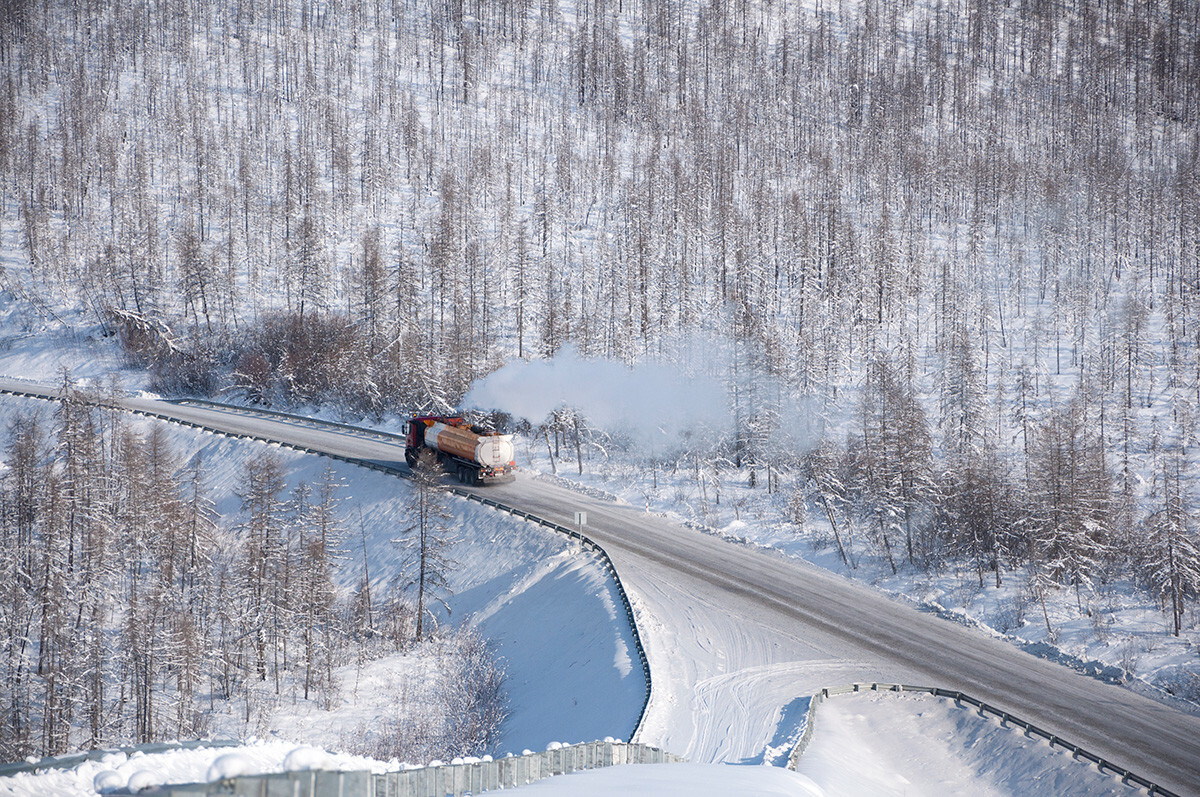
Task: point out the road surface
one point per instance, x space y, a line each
735 634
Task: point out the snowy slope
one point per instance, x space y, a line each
548 608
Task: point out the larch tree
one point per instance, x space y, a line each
426 540
1168 553
320 536
1071 500
261 564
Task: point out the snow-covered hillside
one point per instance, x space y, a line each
909 289
549 610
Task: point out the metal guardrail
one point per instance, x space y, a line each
312 423
445 780
395 470
984 709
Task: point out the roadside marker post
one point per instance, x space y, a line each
580 522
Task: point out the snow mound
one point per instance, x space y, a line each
107 781
306 758
231 765
142 780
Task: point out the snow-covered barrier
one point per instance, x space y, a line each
74 759
470 776
984 709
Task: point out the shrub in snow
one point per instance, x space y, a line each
230 765
457 713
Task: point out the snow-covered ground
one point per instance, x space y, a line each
572 677
874 743
884 743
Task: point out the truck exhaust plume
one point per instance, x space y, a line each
654 401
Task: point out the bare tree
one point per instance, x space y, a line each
426 540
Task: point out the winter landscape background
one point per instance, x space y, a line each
908 288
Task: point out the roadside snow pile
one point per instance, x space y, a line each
234 765
117 771
884 743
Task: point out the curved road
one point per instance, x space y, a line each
731 623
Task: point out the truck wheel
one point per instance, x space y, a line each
410 457
462 475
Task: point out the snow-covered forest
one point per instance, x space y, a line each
949 252
132 611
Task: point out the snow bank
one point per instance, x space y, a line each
886 743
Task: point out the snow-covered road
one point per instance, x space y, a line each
736 635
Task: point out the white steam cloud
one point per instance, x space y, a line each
657 402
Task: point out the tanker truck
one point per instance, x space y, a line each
474 454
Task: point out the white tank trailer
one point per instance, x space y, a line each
475 455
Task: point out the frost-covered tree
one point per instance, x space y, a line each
1071 500
265 560
320 535
895 458
425 541
1168 547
